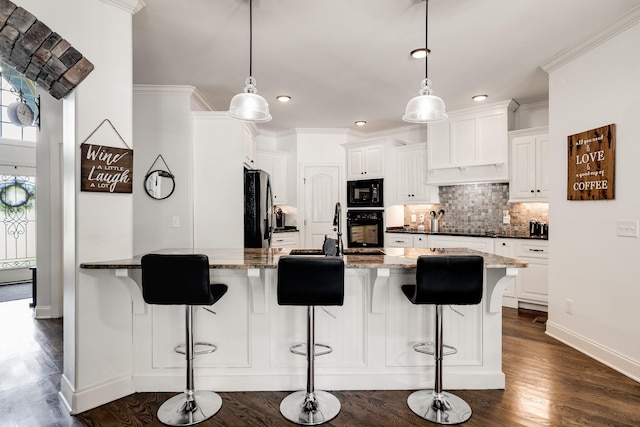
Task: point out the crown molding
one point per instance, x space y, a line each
163 90
606 33
131 6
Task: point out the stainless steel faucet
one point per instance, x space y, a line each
337 222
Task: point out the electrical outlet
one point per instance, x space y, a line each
175 222
627 228
413 217
421 217
568 306
506 218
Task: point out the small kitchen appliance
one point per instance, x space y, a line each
365 193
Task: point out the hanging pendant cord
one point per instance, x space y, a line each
426 39
250 37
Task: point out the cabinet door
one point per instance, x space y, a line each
411 187
285 240
542 168
404 183
374 161
532 283
420 241
275 164
523 168
249 148
355 163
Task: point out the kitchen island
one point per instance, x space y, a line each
371 334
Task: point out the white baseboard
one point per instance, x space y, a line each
80 401
43 312
620 363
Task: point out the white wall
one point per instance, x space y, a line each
589 263
162 126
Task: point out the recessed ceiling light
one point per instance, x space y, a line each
420 53
283 98
479 98
361 123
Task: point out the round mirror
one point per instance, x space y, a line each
159 184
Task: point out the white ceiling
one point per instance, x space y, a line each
348 60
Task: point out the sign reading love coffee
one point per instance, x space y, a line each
592 164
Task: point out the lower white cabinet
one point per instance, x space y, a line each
398 240
290 239
532 283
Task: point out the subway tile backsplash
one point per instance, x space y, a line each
478 208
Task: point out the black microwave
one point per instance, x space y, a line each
365 193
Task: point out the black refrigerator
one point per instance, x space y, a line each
258 209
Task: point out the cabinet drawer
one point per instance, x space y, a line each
395 240
285 240
533 249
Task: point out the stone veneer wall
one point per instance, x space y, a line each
38 53
477 208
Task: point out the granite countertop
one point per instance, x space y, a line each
354 258
514 235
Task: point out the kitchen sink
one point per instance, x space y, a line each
349 251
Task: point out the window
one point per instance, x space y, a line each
17 221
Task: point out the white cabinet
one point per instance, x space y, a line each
365 162
484 244
471 145
532 283
529 165
507 248
411 177
289 239
275 163
398 240
420 241
249 139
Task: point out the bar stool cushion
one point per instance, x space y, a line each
447 280
176 279
310 280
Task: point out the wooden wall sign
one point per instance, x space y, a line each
591 172
106 169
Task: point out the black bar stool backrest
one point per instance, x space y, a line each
448 280
177 279
304 280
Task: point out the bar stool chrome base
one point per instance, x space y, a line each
178 411
445 409
310 409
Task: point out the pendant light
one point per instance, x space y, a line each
249 106
425 108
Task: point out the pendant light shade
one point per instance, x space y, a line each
249 106
425 108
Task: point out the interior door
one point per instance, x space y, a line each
321 193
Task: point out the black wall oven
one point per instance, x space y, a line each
365 228
365 193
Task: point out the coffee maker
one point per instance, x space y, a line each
280 217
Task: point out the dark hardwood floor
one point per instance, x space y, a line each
548 384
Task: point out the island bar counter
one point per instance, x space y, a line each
371 334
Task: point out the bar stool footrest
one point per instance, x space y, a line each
428 348
294 349
210 348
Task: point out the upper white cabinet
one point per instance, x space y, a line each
365 162
249 139
529 165
411 176
365 159
275 163
471 145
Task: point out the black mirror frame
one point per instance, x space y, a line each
163 174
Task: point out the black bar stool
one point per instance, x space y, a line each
443 280
310 281
183 280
